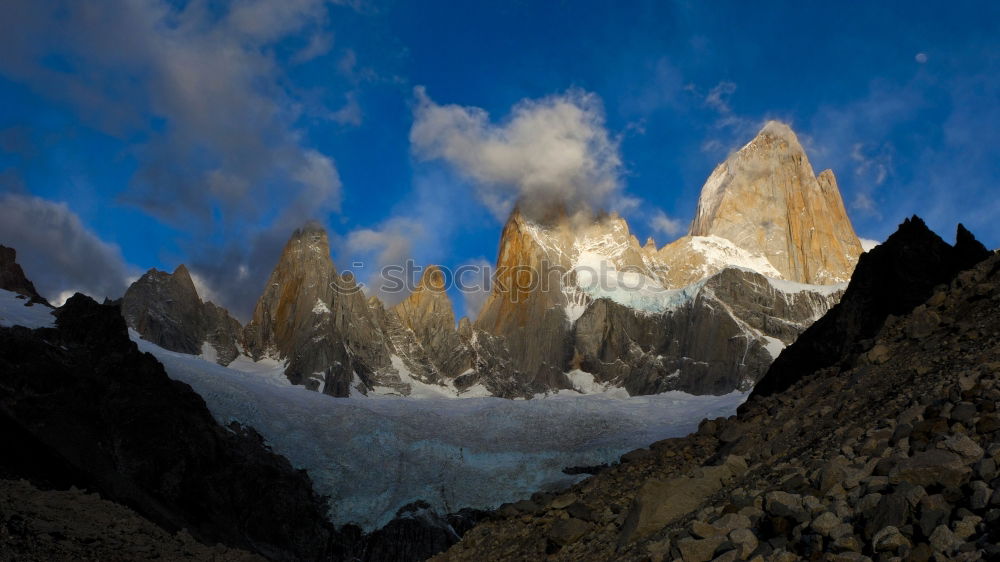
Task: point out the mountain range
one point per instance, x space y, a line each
870 428
577 303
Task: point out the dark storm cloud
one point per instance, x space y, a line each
199 94
58 253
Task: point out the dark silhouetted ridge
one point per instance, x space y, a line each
893 278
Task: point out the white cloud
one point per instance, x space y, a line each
663 223
921 58
863 202
867 244
350 112
198 90
59 254
372 249
554 150
718 97
205 291
475 285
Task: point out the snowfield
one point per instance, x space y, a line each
14 313
373 455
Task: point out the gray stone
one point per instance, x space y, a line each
963 413
784 504
825 523
965 527
930 468
943 540
703 530
562 501
568 531
745 541
889 539
980 497
659 503
700 550
731 521
934 510
960 444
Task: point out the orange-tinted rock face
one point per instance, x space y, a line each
525 306
766 200
427 312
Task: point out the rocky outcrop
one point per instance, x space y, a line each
428 314
581 293
892 279
82 406
317 320
766 199
722 336
12 277
42 525
164 308
892 457
525 307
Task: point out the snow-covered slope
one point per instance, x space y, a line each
13 312
373 455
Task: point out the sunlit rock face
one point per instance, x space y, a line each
766 200
427 312
316 320
578 303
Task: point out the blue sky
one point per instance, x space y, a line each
146 134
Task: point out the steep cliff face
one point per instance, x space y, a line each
718 335
427 312
527 306
165 309
82 406
766 200
316 320
581 293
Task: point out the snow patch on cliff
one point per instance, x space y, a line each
13 312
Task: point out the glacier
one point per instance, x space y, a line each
373 455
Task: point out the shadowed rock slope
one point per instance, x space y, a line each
893 456
12 277
79 405
165 309
890 280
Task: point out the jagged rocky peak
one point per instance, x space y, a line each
428 313
766 200
165 308
316 320
299 292
13 279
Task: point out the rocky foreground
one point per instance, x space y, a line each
890 454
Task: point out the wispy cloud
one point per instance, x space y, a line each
662 223
372 249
